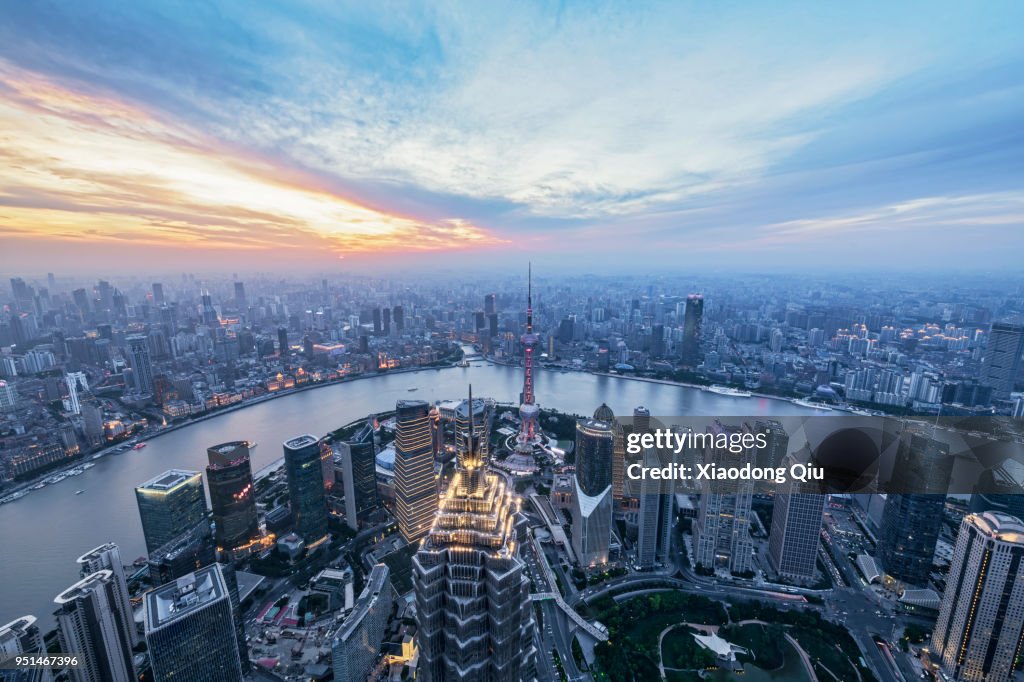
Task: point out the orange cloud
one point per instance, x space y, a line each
76 166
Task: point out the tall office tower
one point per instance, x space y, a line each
721 535
490 304
191 629
108 558
980 630
377 327
282 341
158 293
483 416
1000 366
796 527
604 414
774 454
398 315
169 505
89 624
20 637
360 476
528 410
137 352
592 492
232 497
386 321
415 486
473 613
182 555
306 494
357 641
912 520
209 314
240 299
692 321
657 512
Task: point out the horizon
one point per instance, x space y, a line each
776 139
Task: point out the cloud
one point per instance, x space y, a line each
79 165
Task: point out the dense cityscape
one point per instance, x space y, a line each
497 537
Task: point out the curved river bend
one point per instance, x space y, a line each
43 533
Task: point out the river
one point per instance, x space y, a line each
43 533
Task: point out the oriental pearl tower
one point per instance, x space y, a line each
528 410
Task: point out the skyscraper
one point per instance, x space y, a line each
1000 366
357 641
415 486
721 534
240 295
604 414
137 353
980 629
912 520
360 476
190 630
796 527
654 524
528 410
306 494
282 341
490 304
692 321
158 293
21 637
108 558
169 505
473 612
89 624
592 483
232 496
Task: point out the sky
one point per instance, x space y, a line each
322 134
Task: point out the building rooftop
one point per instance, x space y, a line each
374 584
169 480
185 595
1001 526
82 587
300 441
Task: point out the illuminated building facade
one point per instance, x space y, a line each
592 492
415 485
232 497
306 494
473 611
170 505
980 629
528 410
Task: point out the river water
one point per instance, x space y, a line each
43 533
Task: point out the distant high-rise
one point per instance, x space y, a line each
358 464
89 624
980 630
137 352
398 315
592 518
20 637
240 299
232 496
774 454
282 341
209 313
386 321
692 321
654 523
415 486
490 304
306 493
108 558
1000 366
721 534
912 520
796 527
191 630
169 505
357 641
158 293
377 326
473 612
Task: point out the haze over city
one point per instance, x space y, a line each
776 137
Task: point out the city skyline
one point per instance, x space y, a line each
329 137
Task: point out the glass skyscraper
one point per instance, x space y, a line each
170 505
415 485
306 492
232 496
